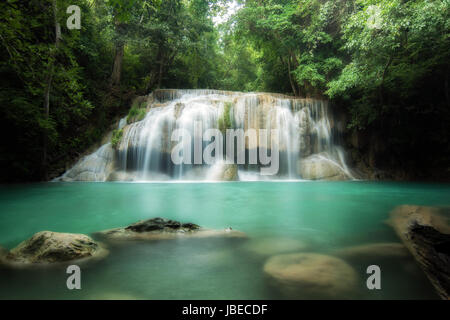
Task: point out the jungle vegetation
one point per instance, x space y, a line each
385 63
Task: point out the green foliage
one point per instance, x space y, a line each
393 47
116 137
31 63
297 39
386 62
225 120
136 113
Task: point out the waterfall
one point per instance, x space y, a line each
308 146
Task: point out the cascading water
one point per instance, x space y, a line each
307 144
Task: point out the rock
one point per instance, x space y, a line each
53 247
373 252
230 173
223 172
162 229
94 167
426 234
161 225
120 176
311 276
3 253
276 245
317 167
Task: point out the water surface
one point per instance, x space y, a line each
324 216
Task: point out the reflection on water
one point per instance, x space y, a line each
339 221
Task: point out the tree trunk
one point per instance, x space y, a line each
295 65
391 58
294 90
160 74
447 98
151 80
49 80
117 67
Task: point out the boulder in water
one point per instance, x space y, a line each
318 167
162 229
311 276
426 234
52 247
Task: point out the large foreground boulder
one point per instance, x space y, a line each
311 276
319 167
161 229
53 247
426 234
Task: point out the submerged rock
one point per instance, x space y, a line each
53 247
160 229
311 276
426 234
275 245
318 167
373 252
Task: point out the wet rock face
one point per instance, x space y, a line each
160 224
317 167
308 275
94 167
52 247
